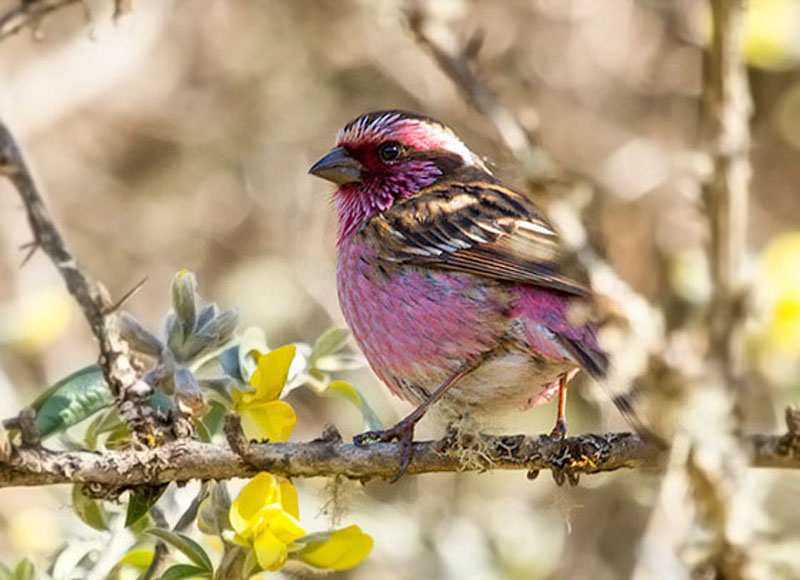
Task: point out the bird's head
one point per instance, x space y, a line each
385 156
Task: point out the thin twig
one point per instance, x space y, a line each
29 14
115 361
457 63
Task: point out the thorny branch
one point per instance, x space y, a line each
118 368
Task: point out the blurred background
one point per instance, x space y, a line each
179 136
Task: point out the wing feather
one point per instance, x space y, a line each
478 227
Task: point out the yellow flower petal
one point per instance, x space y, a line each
283 526
271 420
781 279
273 370
344 549
270 551
245 510
270 544
289 498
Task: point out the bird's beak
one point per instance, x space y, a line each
338 167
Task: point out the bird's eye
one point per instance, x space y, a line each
389 151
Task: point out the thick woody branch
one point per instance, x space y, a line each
186 460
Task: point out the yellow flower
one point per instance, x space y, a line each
772 33
781 277
341 550
264 416
264 517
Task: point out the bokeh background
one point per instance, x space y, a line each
179 136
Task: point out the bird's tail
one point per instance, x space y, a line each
596 363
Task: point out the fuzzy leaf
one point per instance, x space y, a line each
329 342
229 360
213 518
339 362
71 400
220 387
139 338
184 300
186 545
174 331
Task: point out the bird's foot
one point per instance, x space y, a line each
402 432
560 429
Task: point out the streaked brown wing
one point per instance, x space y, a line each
479 227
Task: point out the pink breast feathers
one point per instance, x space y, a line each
414 327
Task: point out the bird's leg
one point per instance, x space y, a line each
560 429
404 430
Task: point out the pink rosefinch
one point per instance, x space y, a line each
450 281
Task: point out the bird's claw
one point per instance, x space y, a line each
560 429
402 432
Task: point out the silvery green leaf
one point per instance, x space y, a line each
184 300
211 336
195 345
235 563
138 337
229 360
213 518
225 325
174 329
340 362
188 394
329 342
221 387
207 314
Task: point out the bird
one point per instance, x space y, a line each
453 284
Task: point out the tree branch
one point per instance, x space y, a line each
185 460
